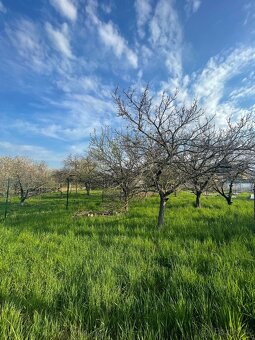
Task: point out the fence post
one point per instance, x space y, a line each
7 198
67 193
254 201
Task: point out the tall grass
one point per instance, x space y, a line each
65 277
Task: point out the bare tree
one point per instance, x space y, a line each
167 132
118 163
71 167
81 169
224 181
236 155
200 162
87 173
220 156
60 179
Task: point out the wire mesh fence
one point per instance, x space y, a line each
44 200
47 200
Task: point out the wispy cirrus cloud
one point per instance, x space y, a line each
210 84
249 9
243 92
110 36
66 8
192 6
60 39
166 36
213 85
84 113
143 13
2 8
26 38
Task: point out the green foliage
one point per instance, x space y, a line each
118 277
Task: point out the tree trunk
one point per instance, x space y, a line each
126 201
23 197
126 206
230 193
198 195
88 188
161 214
229 199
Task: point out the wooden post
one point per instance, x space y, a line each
67 192
7 198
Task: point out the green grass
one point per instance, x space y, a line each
65 277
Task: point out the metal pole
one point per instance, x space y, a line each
7 198
67 193
254 201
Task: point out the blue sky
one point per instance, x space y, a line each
60 60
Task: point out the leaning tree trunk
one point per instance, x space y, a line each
228 196
198 195
126 206
23 196
161 214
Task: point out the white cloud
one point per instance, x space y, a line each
243 92
249 9
79 148
65 8
37 153
60 39
26 38
229 109
166 36
2 8
210 83
111 37
106 8
83 114
143 13
192 6
215 86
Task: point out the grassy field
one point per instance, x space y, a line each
65 277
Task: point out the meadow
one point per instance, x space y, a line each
119 277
